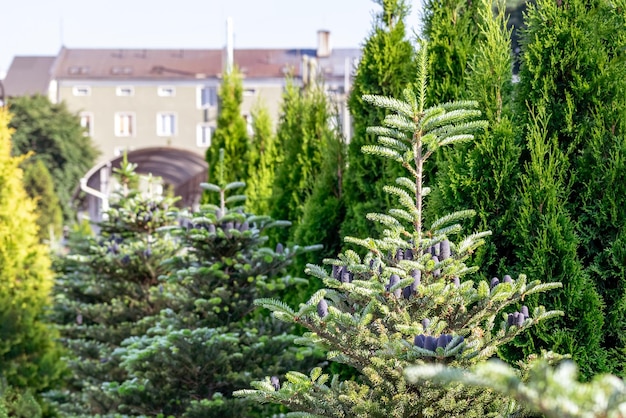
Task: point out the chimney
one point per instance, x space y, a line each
229 45
323 44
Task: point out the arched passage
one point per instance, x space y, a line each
180 169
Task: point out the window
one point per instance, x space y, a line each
166 91
124 124
204 134
82 91
86 121
166 124
125 91
121 70
207 96
76 70
249 92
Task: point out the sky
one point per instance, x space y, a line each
41 27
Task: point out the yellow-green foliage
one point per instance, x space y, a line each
28 357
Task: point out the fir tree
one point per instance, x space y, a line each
107 290
209 341
261 169
386 67
29 354
554 392
404 302
40 186
573 67
231 132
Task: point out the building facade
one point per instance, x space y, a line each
129 99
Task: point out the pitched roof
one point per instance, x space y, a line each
28 75
167 64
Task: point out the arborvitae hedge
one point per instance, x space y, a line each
386 67
546 245
231 133
29 353
262 162
573 66
301 136
450 28
40 187
324 210
484 174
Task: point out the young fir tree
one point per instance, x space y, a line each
485 174
573 67
29 353
40 187
261 169
107 289
386 67
554 392
55 136
404 302
210 341
450 28
231 133
302 133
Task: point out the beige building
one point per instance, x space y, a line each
135 99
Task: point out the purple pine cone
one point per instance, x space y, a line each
417 275
507 279
275 382
444 249
393 280
494 282
525 311
322 308
443 340
430 343
419 340
346 276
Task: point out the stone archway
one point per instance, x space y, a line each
181 169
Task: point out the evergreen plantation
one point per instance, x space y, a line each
462 256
